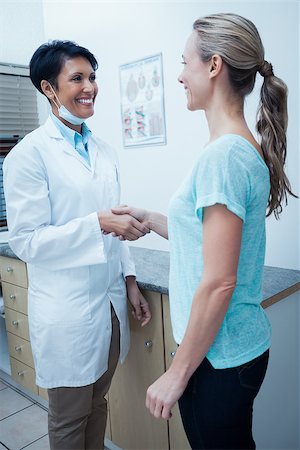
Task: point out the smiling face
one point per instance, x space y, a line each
76 88
195 76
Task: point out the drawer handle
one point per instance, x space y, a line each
15 323
148 344
172 354
22 373
9 269
18 348
12 296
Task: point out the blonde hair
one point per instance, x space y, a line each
238 42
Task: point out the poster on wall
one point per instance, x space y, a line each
142 102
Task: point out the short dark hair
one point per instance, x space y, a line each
48 60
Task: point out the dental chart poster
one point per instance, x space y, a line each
142 102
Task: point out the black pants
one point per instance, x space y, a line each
216 407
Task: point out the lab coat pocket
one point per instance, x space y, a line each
112 187
62 296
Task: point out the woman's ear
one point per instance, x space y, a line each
216 65
47 90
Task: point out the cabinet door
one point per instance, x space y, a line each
178 439
132 426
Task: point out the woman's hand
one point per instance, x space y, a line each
164 393
123 225
154 221
142 215
141 310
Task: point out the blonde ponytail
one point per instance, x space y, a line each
272 119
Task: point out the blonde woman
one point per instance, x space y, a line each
216 229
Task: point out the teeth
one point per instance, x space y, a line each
85 101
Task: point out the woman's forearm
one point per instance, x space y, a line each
210 304
158 223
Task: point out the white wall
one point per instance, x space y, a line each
119 32
21 30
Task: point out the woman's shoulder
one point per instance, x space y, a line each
27 152
228 143
217 152
233 149
25 144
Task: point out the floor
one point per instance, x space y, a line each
23 422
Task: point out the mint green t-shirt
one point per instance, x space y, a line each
231 172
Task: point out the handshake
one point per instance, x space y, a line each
125 222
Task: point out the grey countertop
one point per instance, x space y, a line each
152 268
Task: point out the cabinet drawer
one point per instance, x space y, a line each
17 323
23 374
43 393
20 349
13 271
15 297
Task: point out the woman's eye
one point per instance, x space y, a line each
92 77
77 78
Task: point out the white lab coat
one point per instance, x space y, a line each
74 271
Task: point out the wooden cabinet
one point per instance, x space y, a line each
14 288
178 439
151 351
132 426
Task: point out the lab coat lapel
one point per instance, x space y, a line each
67 148
51 130
54 133
93 154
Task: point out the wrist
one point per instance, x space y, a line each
102 220
180 374
150 220
183 366
130 280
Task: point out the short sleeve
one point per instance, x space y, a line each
222 177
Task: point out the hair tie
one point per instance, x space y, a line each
266 69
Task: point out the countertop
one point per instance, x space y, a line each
152 268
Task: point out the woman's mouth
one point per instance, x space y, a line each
85 101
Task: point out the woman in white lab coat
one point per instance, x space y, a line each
60 182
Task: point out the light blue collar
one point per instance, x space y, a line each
73 137
78 141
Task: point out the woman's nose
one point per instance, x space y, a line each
88 86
